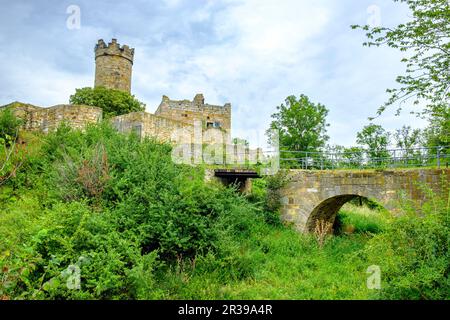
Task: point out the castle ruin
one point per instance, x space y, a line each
113 70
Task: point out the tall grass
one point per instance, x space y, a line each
280 263
360 219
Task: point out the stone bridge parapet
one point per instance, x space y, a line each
318 195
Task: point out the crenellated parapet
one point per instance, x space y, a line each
113 49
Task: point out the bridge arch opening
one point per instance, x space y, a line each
327 210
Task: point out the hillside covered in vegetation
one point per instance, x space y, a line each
102 215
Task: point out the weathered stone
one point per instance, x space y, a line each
113 65
322 193
210 116
48 119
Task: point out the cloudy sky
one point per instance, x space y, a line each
251 53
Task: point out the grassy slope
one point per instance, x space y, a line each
271 263
288 265
278 262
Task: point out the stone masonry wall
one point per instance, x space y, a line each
148 125
48 119
188 111
163 129
313 195
113 65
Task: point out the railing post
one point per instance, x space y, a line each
395 160
439 157
306 160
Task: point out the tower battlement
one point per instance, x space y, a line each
113 48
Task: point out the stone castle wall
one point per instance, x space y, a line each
48 119
148 125
165 130
211 116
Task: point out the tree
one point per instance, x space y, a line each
408 138
376 140
437 134
438 131
340 156
426 41
354 156
113 102
301 124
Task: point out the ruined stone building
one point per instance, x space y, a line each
174 121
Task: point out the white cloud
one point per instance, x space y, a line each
40 84
273 29
172 3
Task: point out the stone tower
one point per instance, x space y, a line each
113 65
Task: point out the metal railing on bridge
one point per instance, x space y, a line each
366 159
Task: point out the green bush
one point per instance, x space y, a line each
274 183
119 230
413 252
265 194
113 102
9 124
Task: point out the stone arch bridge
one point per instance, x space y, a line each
312 195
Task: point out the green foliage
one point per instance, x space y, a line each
301 124
9 124
113 102
366 218
265 193
354 156
427 76
437 134
274 184
408 138
121 206
376 140
12 153
156 230
413 252
425 39
277 263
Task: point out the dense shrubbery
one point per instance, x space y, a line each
101 215
413 252
113 102
122 207
9 124
12 153
265 193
